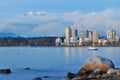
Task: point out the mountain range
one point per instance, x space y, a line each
40 23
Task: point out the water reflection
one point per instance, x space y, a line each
73 51
93 53
70 53
67 53
81 51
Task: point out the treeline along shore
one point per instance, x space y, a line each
20 41
40 41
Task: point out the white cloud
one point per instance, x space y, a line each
38 13
111 13
29 13
45 23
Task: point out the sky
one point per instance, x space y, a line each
15 7
45 17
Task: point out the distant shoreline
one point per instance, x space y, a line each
41 42
58 46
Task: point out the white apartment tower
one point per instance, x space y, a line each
95 37
111 35
73 38
67 36
90 35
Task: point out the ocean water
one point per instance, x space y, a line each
53 62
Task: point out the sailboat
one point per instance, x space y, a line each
92 48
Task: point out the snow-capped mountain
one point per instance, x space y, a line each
40 23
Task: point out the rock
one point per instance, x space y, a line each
70 76
38 78
96 68
46 77
118 73
105 75
5 71
91 64
83 73
77 78
112 71
95 74
27 68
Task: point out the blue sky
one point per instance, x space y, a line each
14 7
50 17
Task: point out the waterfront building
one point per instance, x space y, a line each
70 36
74 33
86 40
67 36
73 41
111 35
117 39
105 42
90 35
89 38
73 38
67 33
65 42
58 41
81 41
84 34
95 37
100 41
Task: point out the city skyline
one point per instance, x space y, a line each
49 18
73 37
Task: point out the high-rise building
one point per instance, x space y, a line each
84 34
90 35
67 36
111 35
74 33
117 39
67 33
95 37
70 36
73 38
81 40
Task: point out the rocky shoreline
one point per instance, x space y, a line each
97 68
5 71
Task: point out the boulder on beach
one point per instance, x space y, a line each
5 71
94 68
104 64
70 76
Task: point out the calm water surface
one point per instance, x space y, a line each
54 62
